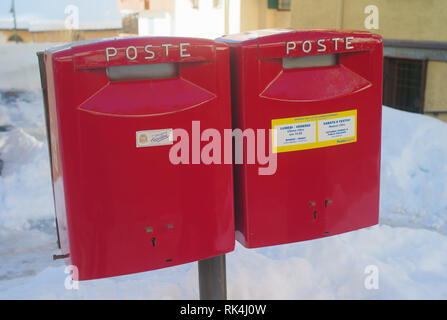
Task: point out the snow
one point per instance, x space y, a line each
19 69
408 248
414 171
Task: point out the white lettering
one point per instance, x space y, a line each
72 280
306 46
152 53
135 55
372 279
290 46
72 20
183 53
309 46
111 52
167 45
372 21
132 52
335 43
348 44
321 45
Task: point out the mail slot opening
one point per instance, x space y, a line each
324 60
143 72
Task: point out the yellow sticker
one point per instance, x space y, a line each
314 131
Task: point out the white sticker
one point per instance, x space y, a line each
295 134
338 128
151 138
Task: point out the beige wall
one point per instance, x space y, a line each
162 5
58 36
138 5
316 14
435 89
398 19
256 15
401 19
23 34
435 92
440 116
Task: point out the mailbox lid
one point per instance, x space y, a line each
138 50
272 43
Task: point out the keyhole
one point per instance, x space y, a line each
153 242
315 215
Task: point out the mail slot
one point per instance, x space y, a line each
114 107
320 93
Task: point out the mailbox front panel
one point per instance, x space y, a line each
321 91
122 206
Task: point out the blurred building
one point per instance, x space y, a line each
58 20
195 18
414 32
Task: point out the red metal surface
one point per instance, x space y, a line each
316 192
123 209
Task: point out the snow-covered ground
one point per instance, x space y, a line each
408 248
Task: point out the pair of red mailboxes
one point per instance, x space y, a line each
121 110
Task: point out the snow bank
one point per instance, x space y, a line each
19 68
23 110
330 268
414 171
25 183
411 261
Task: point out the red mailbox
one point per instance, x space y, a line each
122 205
320 91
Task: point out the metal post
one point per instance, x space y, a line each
213 278
43 82
13 11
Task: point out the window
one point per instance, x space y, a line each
272 4
404 84
283 5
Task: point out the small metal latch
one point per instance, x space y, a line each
60 256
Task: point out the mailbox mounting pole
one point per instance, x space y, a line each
43 82
213 278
